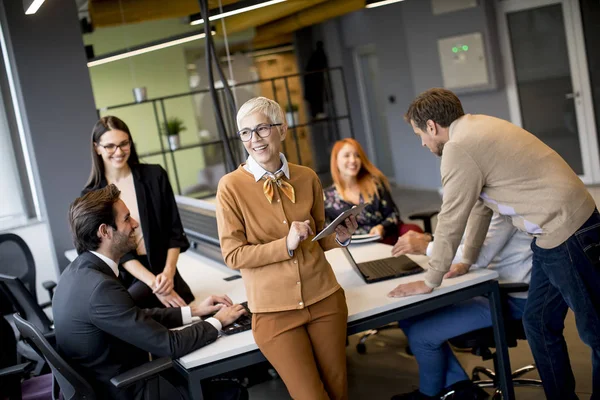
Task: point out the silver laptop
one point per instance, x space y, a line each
383 269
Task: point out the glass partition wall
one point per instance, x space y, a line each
192 152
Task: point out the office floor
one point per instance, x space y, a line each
386 369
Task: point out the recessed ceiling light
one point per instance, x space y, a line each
145 49
31 6
236 8
379 3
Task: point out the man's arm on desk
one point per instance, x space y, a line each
113 311
462 181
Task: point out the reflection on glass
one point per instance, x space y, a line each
544 82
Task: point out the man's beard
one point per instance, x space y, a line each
123 244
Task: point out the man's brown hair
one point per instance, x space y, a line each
437 104
88 212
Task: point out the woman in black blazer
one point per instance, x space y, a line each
150 271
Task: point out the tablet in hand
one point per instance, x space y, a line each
340 219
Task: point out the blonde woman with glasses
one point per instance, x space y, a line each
151 269
268 210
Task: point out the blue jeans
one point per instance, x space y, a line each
428 335
567 276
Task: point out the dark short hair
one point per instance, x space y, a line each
437 104
88 212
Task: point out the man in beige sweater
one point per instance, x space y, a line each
488 165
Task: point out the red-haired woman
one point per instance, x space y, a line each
356 180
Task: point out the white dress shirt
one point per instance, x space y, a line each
255 169
186 312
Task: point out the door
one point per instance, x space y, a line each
547 79
372 109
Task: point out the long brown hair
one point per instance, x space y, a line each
105 124
369 178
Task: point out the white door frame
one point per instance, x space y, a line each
584 108
362 93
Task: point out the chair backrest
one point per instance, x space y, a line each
72 385
16 260
24 303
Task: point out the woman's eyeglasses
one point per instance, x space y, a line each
111 147
262 130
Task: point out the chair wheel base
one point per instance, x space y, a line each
361 348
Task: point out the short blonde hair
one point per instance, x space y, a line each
266 107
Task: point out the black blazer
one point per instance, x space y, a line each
159 216
101 331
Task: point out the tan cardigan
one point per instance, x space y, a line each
490 165
253 235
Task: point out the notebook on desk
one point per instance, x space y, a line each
383 269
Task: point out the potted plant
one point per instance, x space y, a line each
291 114
171 130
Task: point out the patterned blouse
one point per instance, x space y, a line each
382 210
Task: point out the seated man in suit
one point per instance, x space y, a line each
98 326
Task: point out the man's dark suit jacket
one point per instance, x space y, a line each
103 333
159 215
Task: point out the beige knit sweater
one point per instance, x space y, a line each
488 165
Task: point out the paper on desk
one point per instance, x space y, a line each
366 238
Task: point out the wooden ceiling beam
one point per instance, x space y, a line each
254 18
114 12
311 16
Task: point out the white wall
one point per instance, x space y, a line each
405 36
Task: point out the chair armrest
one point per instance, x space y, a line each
51 336
18 369
49 286
46 304
144 371
424 214
426 217
514 287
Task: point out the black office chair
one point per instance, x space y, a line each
481 341
72 385
426 217
23 302
16 380
16 260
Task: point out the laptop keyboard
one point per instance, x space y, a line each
242 324
387 267
378 268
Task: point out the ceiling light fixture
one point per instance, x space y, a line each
146 48
237 8
379 3
31 6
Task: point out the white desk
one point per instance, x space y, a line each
363 300
368 308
